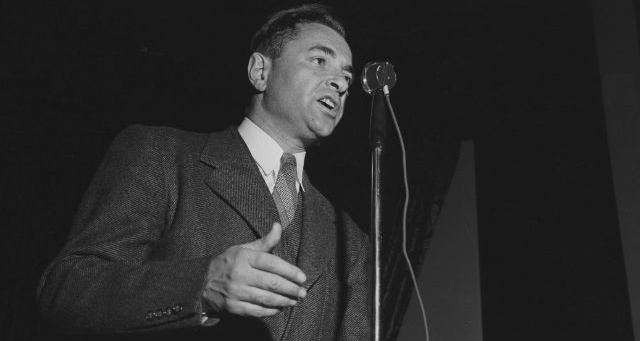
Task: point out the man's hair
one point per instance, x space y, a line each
281 27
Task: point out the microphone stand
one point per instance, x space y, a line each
377 134
377 79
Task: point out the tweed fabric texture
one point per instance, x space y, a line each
162 204
287 249
289 244
285 191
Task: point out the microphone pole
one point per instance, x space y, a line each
377 79
377 133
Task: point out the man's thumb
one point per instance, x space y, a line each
268 242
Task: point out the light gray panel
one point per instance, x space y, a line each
450 277
619 59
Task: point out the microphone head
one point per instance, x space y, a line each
376 75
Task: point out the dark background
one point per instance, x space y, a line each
519 78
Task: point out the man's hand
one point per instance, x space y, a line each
248 280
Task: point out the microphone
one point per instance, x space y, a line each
377 78
377 75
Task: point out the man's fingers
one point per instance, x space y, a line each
266 298
278 285
252 281
268 242
278 266
272 238
249 309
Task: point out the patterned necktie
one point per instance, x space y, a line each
285 191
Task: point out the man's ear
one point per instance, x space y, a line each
258 70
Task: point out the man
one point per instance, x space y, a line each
222 235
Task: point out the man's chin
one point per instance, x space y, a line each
325 131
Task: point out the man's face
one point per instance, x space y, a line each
307 85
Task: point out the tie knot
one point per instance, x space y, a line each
287 159
285 190
288 169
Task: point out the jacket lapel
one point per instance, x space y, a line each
317 244
317 240
236 179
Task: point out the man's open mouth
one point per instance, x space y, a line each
328 102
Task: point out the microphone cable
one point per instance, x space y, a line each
385 90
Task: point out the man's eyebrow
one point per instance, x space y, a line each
329 51
324 49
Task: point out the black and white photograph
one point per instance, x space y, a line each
320 170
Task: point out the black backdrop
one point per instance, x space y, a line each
518 77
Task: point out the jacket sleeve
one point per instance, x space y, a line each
103 281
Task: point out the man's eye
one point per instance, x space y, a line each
319 60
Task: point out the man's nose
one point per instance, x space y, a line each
339 83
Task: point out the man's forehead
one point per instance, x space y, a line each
323 38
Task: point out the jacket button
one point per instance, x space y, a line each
159 314
177 308
149 316
167 312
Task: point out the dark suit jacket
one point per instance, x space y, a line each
162 204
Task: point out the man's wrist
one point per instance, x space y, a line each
208 314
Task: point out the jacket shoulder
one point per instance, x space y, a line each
160 134
154 140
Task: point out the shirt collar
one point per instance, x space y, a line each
265 150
